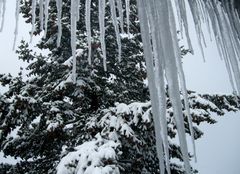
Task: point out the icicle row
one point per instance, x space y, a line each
116 27
226 35
88 28
16 22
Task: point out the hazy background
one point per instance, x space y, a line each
218 151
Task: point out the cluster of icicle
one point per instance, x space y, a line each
161 50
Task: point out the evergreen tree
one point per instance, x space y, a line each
103 122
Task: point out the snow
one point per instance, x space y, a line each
89 156
122 108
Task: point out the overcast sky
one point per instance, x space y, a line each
218 151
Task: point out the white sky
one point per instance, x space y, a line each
218 151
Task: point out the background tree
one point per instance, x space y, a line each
46 120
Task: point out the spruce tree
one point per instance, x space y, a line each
103 122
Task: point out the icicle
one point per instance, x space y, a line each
172 75
46 5
115 24
34 3
159 78
101 9
159 81
183 14
88 28
177 6
59 21
127 2
73 38
230 47
181 76
41 14
77 9
148 57
120 12
16 22
2 13
197 21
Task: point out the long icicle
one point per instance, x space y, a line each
116 27
172 75
120 12
59 21
127 2
41 16
149 62
46 15
3 10
88 28
101 9
77 10
34 4
73 38
181 76
159 78
16 22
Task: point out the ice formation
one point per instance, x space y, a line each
46 6
127 4
16 22
116 27
2 13
161 50
74 17
101 9
59 20
88 28
34 4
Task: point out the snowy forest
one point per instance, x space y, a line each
105 90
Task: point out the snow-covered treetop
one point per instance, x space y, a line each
161 49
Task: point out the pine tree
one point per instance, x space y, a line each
50 122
